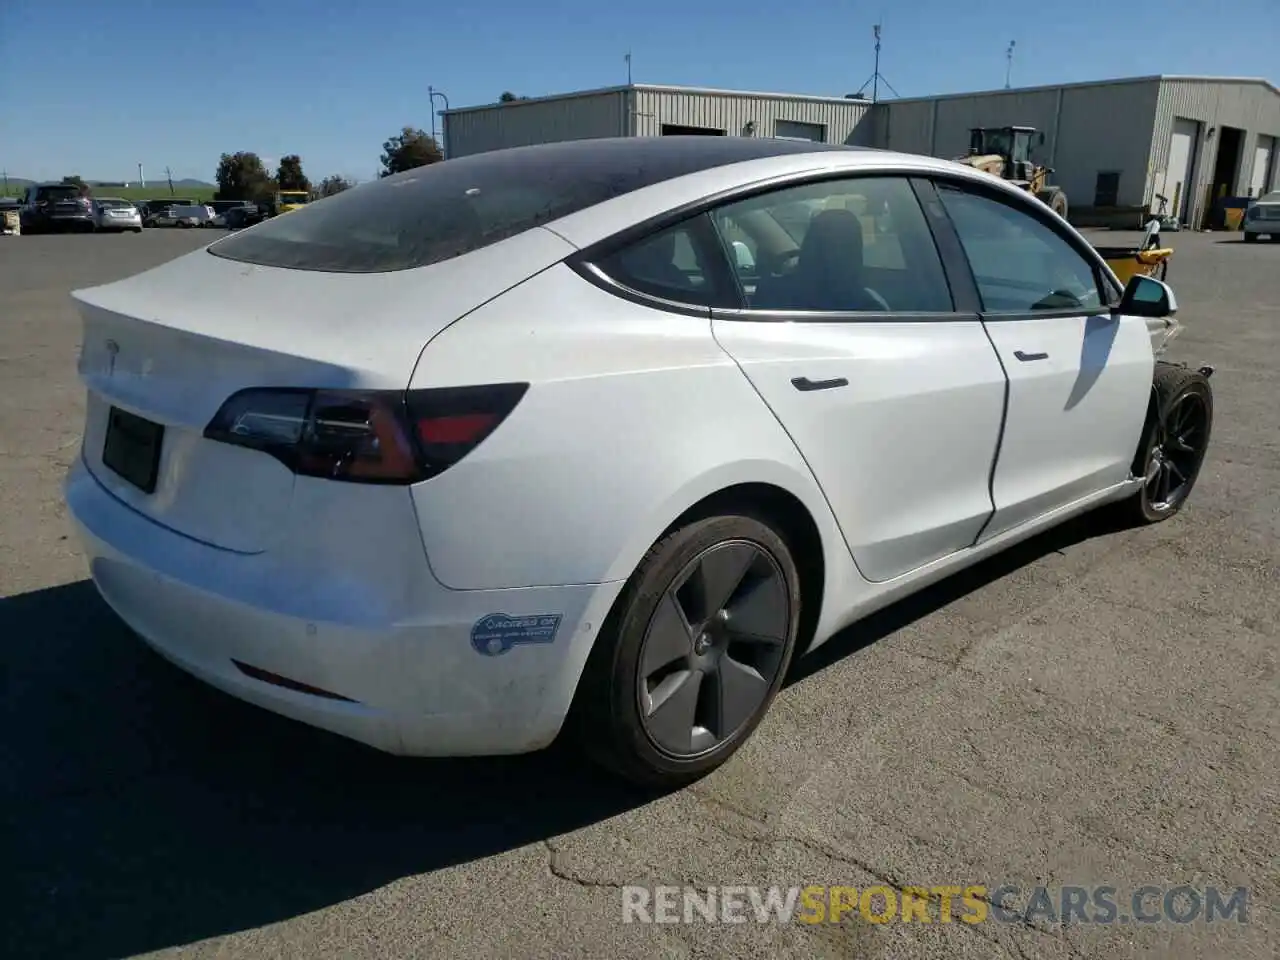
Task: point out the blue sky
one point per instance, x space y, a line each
95 86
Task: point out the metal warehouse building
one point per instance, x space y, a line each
1114 145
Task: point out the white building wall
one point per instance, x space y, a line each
1251 106
749 114
543 120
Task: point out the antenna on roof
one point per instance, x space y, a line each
1008 67
876 77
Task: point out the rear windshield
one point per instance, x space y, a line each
109 202
447 209
60 192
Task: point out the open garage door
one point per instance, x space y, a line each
1177 179
1264 159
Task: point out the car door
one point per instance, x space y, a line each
1079 376
850 334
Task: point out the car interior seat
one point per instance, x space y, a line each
828 274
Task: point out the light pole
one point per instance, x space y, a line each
432 93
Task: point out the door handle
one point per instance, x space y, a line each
1026 357
805 384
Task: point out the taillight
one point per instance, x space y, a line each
379 436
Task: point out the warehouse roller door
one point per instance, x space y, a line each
1264 159
795 130
1177 185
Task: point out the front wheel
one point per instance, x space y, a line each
692 654
1174 443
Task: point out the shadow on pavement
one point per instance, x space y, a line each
907 611
143 810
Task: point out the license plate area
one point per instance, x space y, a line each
132 448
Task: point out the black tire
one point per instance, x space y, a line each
1178 393
608 719
1250 237
1055 200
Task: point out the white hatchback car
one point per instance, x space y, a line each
1262 219
512 443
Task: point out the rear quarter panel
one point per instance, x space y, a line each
633 416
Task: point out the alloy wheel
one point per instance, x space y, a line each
713 648
1176 454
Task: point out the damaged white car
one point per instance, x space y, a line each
597 436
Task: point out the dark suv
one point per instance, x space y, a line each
56 206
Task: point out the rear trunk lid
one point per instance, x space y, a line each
172 344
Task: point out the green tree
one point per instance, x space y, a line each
408 149
509 97
241 176
334 184
289 176
74 180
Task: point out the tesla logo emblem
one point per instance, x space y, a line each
113 349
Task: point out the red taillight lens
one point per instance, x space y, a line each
364 436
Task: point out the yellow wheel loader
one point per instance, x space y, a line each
1005 152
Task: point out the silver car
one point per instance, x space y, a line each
113 213
1263 218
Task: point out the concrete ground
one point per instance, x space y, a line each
1094 708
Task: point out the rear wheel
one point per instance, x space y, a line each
1250 237
693 653
1174 443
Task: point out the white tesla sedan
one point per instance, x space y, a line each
596 436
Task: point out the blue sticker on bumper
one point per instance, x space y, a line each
497 633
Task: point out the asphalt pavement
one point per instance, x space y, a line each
1096 707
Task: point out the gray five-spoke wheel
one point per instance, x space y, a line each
713 648
1176 454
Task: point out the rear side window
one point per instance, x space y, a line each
669 264
448 209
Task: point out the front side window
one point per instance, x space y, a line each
667 264
855 245
1020 264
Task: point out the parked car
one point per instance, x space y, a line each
154 209
1262 219
116 214
237 218
56 206
506 446
176 215
222 206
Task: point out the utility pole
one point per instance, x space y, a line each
142 180
6 182
1008 67
169 176
628 59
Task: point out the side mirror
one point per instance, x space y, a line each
1147 297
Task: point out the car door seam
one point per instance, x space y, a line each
1004 417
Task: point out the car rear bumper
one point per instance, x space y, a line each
418 681
120 223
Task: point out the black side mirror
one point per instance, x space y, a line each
1147 297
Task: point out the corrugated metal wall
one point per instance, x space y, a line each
1251 107
537 121
845 120
1105 128
1087 129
